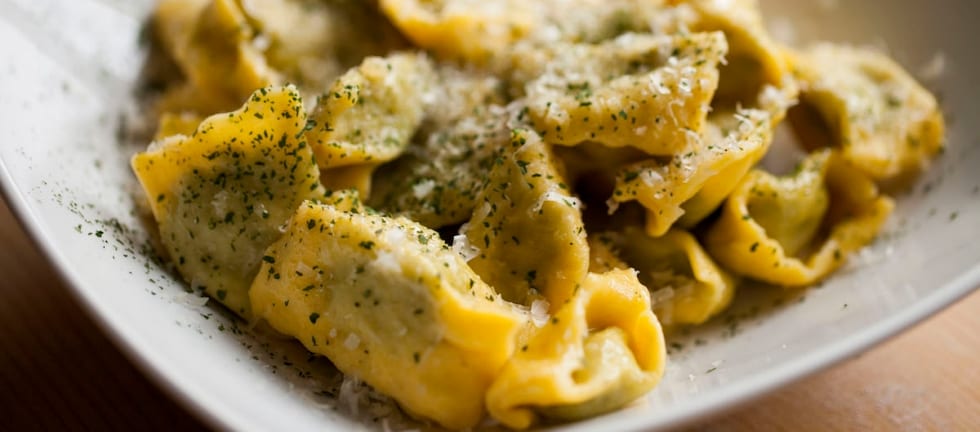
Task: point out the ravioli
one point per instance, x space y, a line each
796 230
386 300
600 350
220 195
526 209
862 103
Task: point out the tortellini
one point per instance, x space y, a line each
437 183
756 73
369 116
592 21
796 230
649 92
228 48
527 202
312 42
494 206
388 301
467 30
687 286
176 124
698 179
598 351
211 42
483 32
860 101
437 180
220 195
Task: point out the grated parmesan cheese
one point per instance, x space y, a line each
386 262
423 188
463 247
557 197
351 393
190 299
539 312
352 341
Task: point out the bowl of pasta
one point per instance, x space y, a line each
571 214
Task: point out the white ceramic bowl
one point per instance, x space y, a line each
68 72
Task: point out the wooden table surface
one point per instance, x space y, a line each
59 372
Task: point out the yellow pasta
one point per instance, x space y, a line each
356 177
386 300
312 42
484 32
494 205
751 134
220 194
756 70
795 230
211 43
369 116
171 124
527 202
863 103
686 285
731 144
438 182
600 350
227 48
466 30
651 93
